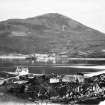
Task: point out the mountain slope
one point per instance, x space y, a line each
49 32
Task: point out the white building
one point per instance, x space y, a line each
45 58
20 70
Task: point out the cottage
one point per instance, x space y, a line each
73 78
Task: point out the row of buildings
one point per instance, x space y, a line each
45 58
50 58
36 57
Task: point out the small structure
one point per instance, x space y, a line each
45 58
54 80
73 78
20 70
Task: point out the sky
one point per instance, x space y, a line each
88 12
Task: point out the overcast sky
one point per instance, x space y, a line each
89 12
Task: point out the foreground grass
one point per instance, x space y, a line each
8 99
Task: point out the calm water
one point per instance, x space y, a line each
50 69
10 65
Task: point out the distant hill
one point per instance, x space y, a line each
50 32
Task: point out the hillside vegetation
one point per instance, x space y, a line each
50 32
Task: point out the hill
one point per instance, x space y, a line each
50 32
